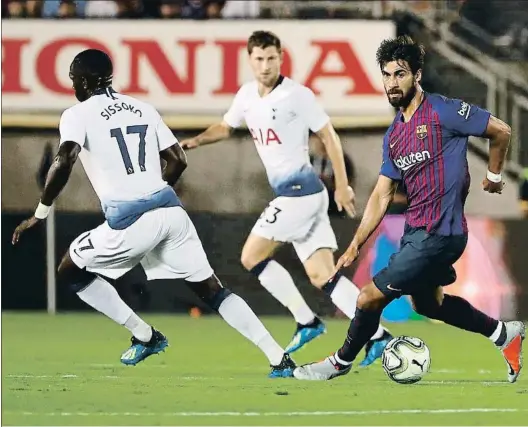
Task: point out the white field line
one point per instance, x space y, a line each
269 414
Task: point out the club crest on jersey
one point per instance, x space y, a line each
421 131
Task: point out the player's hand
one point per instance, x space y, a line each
189 143
23 226
492 187
344 198
348 257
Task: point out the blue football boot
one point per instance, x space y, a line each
374 349
304 334
284 369
140 350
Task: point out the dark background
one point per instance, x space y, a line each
24 266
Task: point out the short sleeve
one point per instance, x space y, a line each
165 136
311 111
72 128
463 118
388 168
235 115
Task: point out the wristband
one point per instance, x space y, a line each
494 177
42 211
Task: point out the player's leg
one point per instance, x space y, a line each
397 279
458 312
320 267
182 256
257 258
237 313
282 221
98 293
316 251
107 254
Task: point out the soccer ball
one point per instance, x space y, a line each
406 359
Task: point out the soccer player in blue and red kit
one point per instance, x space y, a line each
425 148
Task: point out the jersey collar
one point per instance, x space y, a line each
108 91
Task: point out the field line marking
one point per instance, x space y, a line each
271 414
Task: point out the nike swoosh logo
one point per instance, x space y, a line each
392 145
393 289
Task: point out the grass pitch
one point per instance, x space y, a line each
65 370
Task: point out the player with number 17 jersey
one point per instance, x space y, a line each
121 142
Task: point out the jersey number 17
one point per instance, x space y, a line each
140 130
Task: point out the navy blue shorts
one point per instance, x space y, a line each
424 261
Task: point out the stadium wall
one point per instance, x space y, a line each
221 178
492 274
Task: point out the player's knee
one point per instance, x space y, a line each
319 278
320 267
68 272
425 306
211 292
370 298
249 260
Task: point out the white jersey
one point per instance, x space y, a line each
279 124
121 138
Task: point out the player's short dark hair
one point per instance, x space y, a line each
402 48
95 66
263 39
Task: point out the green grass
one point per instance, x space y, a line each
65 370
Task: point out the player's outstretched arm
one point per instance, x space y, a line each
377 206
499 134
344 195
176 163
213 133
56 180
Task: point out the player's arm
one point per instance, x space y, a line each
60 171
318 121
214 133
499 135
470 120
171 152
176 163
377 206
73 136
344 196
219 131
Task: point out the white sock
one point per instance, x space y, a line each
102 296
344 296
139 328
278 282
239 315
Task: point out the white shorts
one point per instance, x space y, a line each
302 221
164 241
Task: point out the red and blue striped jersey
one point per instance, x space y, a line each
429 154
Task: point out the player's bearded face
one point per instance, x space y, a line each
400 83
266 64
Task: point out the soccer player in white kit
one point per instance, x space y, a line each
279 114
120 140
